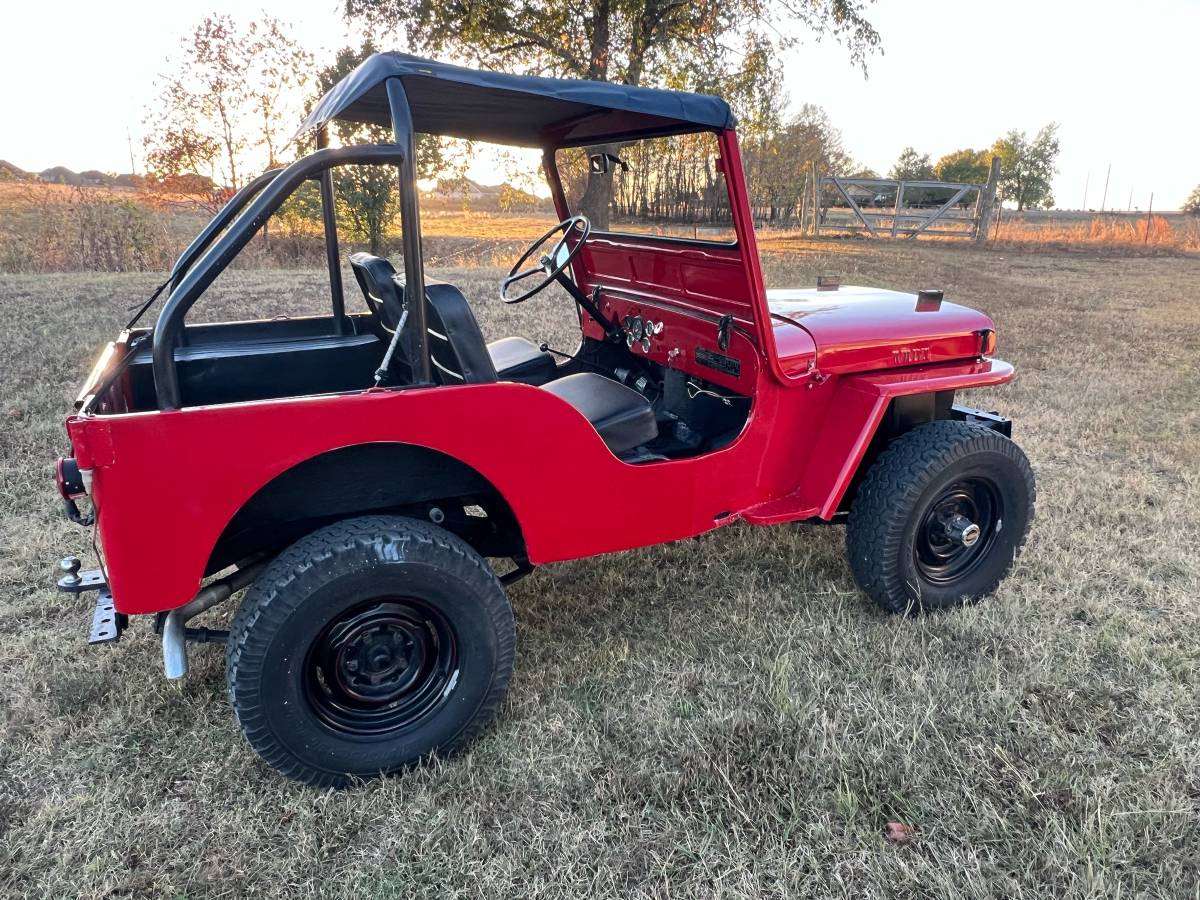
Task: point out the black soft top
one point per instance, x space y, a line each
514 109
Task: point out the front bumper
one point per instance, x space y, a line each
992 420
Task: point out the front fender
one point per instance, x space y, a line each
857 408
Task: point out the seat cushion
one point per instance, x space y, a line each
517 359
622 416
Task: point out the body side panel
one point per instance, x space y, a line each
173 480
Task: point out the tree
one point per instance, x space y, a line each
858 170
178 152
964 167
226 105
368 195
1027 167
778 160
609 40
911 166
279 73
1192 203
665 43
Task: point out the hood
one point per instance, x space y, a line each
858 329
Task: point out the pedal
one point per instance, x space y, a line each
107 623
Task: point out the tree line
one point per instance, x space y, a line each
235 91
1027 166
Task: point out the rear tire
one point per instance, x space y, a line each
940 517
367 646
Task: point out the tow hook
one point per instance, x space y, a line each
962 530
107 623
75 581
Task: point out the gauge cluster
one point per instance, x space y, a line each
685 340
638 332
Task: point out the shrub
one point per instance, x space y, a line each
49 229
1192 203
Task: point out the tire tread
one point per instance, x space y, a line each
284 584
875 530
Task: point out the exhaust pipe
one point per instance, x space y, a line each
174 635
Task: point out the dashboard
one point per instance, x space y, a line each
717 349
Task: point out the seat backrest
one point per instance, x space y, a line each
384 294
456 346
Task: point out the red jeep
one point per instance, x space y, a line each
357 471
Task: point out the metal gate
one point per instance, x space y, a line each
888 208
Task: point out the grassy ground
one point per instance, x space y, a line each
721 717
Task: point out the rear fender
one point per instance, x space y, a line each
362 479
859 405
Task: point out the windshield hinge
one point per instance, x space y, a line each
724 326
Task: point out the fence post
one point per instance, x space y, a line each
988 206
804 205
814 224
899 207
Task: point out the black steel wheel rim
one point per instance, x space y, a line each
939 558
381 667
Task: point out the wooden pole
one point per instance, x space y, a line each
804 205
814 225
1104 199
987 206
899 206
1149 213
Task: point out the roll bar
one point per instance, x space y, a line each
410 227
260 199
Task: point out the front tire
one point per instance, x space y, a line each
367 646
940 517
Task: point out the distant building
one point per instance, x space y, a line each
465 189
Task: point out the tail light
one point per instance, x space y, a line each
69 478
71 486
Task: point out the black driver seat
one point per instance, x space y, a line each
623 418
514 358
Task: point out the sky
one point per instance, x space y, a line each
1120 78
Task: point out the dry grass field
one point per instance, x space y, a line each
722 717
1170 231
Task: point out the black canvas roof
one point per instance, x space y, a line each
513 109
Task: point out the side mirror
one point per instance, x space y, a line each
606 163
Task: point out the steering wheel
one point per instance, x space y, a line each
551 264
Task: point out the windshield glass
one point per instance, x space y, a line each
666 186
